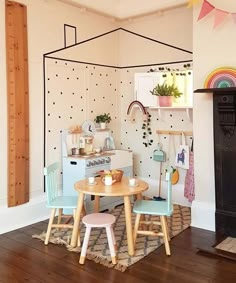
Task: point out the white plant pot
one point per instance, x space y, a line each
103 125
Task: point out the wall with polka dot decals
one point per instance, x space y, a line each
77 92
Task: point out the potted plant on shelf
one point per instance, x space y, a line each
165 93
103 119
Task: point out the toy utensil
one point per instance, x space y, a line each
160 156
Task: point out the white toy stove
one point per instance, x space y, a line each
77 167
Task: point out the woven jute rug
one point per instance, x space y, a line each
228 245
98 249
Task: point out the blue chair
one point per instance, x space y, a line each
56 201
162 209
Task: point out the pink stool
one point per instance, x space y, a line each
99 220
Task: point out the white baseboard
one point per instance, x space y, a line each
203 215
13 218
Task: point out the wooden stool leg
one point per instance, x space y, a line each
85 245
136 225
111 244
53 212
165 233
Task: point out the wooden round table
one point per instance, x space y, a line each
117 189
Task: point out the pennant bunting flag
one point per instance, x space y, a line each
219 17
192 2
205 10
207 7
234 17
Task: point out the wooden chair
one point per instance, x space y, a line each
56 201
162 209
99 220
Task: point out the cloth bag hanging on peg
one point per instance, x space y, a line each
158 154
182 154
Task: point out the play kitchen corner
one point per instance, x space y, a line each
88 151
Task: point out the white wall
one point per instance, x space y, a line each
213 48
46 21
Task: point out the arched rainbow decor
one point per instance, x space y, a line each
221 77
140 106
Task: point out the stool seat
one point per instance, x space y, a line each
99 220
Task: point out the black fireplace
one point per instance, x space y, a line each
224 111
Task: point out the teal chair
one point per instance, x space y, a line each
56 201
162 209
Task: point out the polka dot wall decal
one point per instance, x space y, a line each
49 114
59 117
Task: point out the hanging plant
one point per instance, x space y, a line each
147 131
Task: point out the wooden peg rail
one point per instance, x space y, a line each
170 132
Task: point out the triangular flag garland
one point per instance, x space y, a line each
192 2
207 7
205 10
219 17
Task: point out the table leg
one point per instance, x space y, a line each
97 204
139 196
128 220
75 231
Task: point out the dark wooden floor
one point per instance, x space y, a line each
23 259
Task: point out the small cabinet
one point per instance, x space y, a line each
143 83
